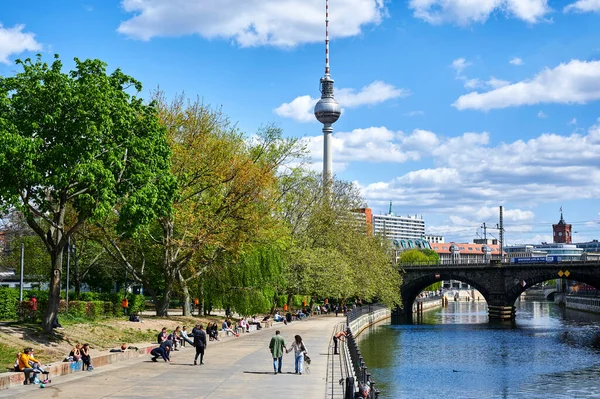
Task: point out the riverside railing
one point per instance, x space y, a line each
362 310
362 377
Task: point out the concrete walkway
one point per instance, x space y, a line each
235 368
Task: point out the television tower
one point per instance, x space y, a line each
327 110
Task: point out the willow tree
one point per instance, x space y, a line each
225 190
332 254
82 140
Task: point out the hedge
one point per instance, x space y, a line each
9 301
92 305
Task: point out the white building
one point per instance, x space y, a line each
399 227
433 238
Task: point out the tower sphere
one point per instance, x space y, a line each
327 110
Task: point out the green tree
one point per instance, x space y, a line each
225 191
418 257
331 254
80 140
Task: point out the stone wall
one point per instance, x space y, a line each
367 320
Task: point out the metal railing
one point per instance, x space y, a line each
362 378
362 310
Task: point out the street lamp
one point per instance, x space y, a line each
70 248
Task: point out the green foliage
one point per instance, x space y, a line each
137 303
331 255
36 261
419 257
9 303
75 146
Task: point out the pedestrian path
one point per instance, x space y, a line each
237 368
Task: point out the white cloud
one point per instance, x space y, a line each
301 108
573 82
15 41
573 121
584 6
415 113
516 61
541 115
465 12
471 176
459 65
375 144
497 83
473 84
281 23
492 83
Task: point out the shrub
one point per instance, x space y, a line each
9 302
137 303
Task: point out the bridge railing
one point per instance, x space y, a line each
505 263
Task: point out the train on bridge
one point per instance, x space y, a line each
538 259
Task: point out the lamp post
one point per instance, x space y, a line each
69 249
22 264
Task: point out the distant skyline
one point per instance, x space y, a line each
450 108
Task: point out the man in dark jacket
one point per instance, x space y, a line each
163 351
199 343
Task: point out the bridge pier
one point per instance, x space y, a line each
501 312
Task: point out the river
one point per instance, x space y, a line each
548 352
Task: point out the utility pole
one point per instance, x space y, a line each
500 227
68 266
22 264
484 227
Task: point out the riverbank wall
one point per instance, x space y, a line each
366 320
582 303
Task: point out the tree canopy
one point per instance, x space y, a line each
81 140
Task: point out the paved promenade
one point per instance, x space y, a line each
234 368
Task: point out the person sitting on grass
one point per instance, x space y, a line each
163 351
86 358
134 317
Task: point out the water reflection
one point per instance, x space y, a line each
455 353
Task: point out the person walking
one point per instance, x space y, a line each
299 352
277 346
199 343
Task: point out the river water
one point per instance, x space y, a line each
455 353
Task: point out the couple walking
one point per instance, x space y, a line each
277 346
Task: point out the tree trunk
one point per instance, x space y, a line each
186 296
162 308
54 291
289 301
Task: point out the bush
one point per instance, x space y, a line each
137 303
9 302
77 308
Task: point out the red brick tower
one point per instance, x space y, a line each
562 231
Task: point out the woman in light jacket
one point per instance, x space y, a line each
299 351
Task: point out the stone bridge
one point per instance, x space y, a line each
500 284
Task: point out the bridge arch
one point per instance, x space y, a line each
513 293
412 289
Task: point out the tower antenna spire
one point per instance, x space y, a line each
327 110
326 37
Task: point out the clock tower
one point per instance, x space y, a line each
562 231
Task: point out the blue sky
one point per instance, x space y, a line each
451 108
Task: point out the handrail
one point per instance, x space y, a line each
361 373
